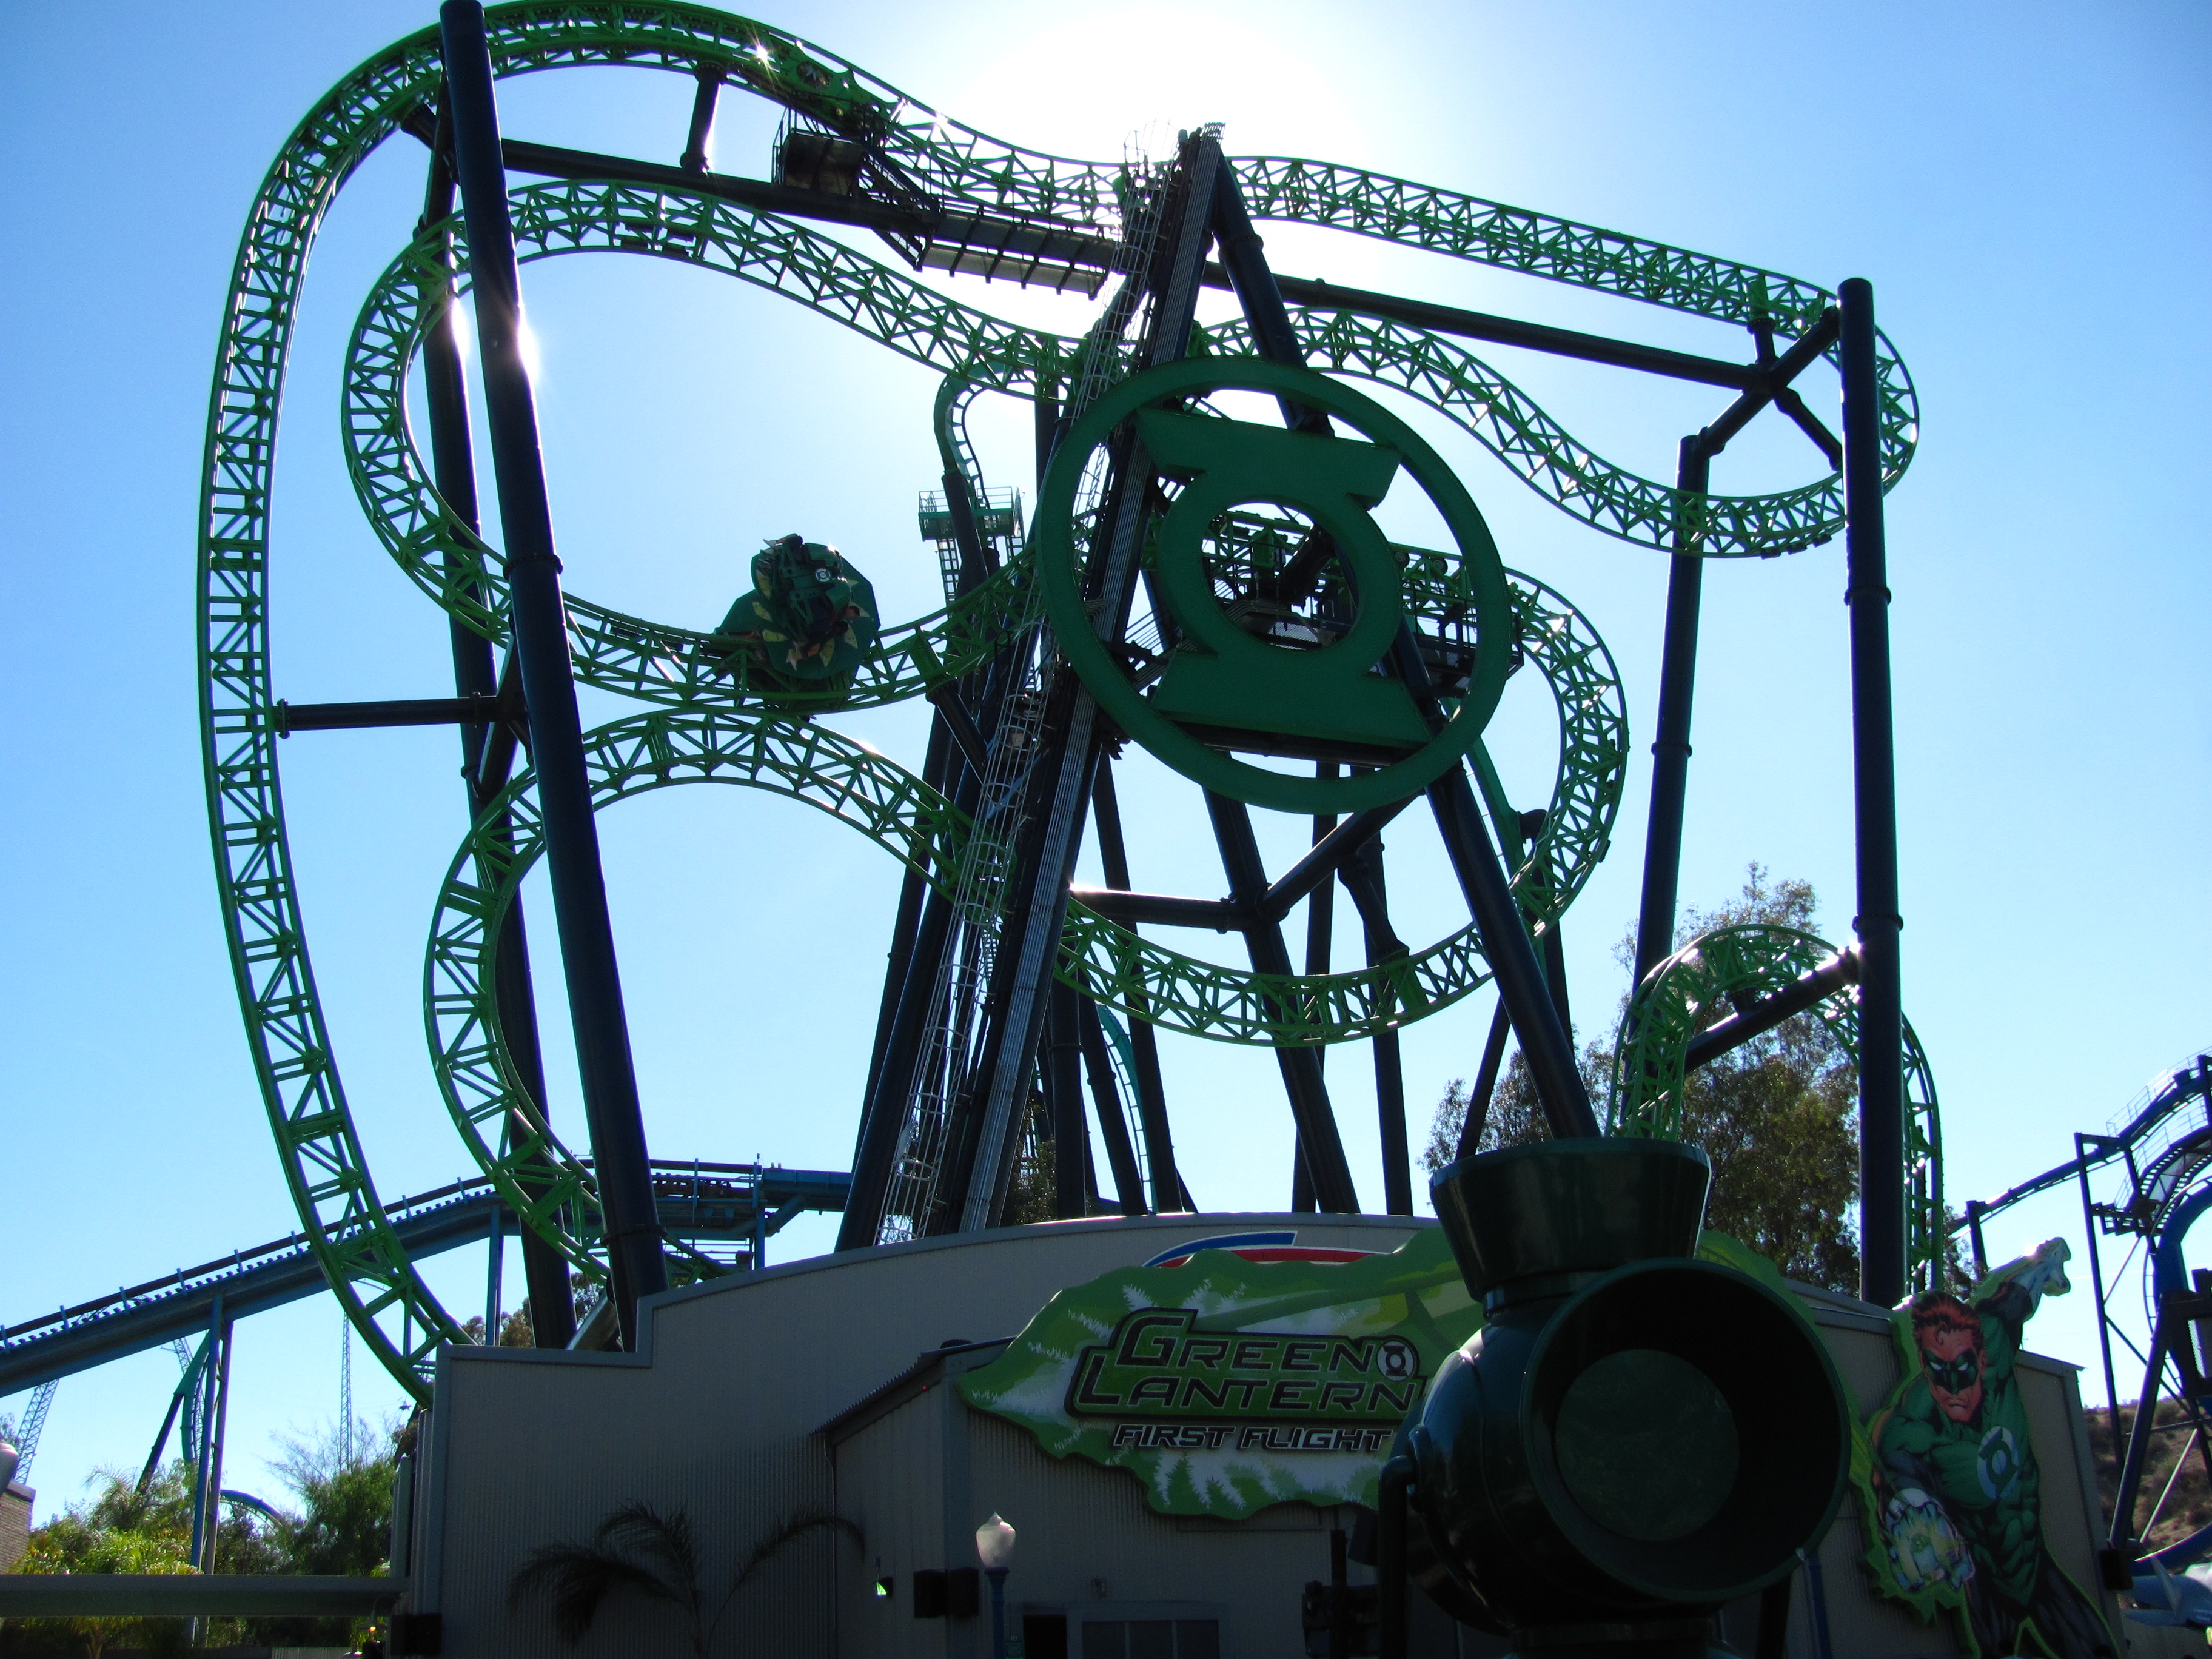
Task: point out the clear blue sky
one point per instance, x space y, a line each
2025 185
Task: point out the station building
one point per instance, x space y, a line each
848 1385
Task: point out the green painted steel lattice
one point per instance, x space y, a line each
1697 986
923 154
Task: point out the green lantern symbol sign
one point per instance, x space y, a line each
1222 688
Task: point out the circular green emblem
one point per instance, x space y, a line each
1317 685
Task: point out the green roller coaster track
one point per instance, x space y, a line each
805 761
924 156
1698 985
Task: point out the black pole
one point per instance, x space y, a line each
980 1161
694 159
1974 1209
1555 943
1321 908
218 1431
1315 1121
906 922
882 1118
611 1109
1505 944
1544 1040
1766 1013
1485 1083
1670 747
1390 1508
1320 904
2122 1537
1062 1074
1363 878
1106 1102
1302 1188
446 398
2097 1288
1475 860
1144 1041
1882 1017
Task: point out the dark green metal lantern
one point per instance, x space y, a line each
1635 1438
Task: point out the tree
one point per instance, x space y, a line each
341 1525
514 1330
638 1548
1777 1116
73 1543
1033 1193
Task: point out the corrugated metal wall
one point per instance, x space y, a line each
716 1418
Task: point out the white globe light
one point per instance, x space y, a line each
994 1543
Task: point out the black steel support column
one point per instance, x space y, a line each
980 1165
2097 1285
1974 1209
1144 1041
1106 1102
1505 944
1321 904
1475 860
1321 914
1301 1186
694 159
1670 747
1663 842
446 398
1881 1019
1363 878
883 1117
1243 258
541 642
905 924
1322 1147
1485 1083
1390 1103
1063 1082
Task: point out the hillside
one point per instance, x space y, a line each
2187 1506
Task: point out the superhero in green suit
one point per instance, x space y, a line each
1963 1495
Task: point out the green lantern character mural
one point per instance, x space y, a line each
1949 1475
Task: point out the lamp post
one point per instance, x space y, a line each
994 1547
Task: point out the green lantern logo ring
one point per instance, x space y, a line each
1221 685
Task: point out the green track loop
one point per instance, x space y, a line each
1698 984
928 156
663 665
550 1187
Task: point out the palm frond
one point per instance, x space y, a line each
578 1578
640 1528
789 1531
783 1533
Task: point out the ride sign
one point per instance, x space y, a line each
1218 687
1227 1384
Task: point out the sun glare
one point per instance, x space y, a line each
532 359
